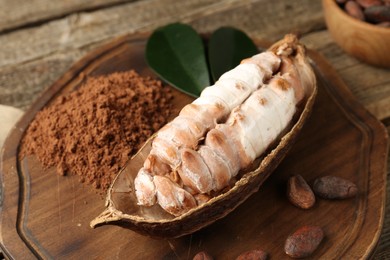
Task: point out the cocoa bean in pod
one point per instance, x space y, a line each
369 3
256 254
377 14
203 255
332 187
299 192
354 10
304 241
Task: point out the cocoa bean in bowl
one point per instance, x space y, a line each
360 28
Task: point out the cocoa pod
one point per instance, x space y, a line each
377 14
354 10
369 3
299 192
304 241
332 187
256 254
202 255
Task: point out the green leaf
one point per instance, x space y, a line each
227 47
176 53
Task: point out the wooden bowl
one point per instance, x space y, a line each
367 42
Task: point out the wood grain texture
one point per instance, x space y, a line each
35 197
19 13
383 249
21 84
82 29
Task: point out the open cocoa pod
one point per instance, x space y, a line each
121 202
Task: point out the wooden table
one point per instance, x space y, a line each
41 39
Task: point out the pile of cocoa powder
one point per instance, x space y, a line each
92 131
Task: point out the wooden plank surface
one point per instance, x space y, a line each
20 13
48 37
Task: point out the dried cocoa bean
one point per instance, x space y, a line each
332 187
377 14
299 192
341 1
384 24
369 3
354 10
202 255
256 254
304 241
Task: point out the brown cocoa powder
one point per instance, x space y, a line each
92 131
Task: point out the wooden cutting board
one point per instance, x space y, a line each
46 215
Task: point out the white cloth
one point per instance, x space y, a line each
8 117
